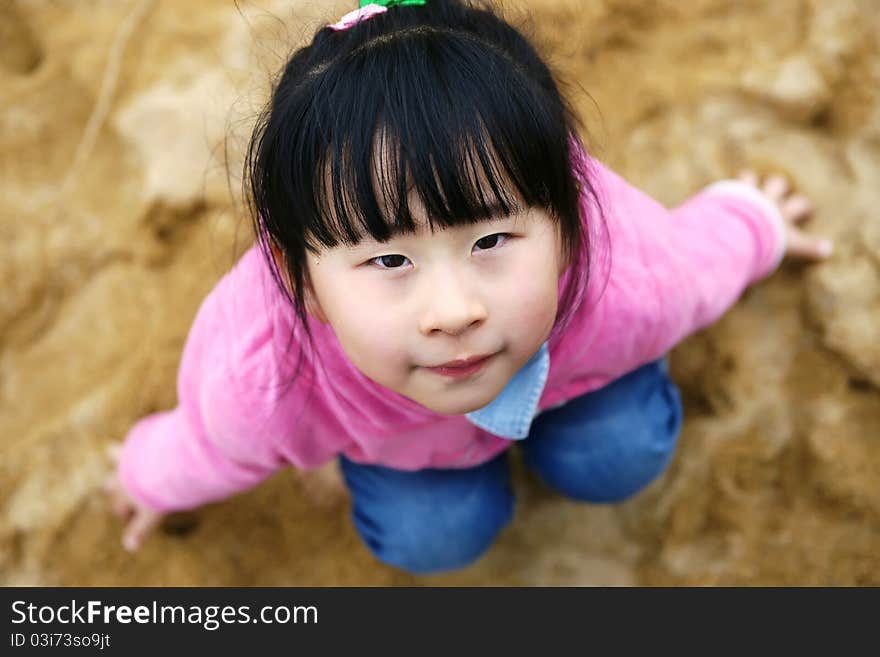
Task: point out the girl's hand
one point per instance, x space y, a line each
794 208
140 519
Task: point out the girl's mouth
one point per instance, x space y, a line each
471 367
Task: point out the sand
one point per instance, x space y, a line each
122 126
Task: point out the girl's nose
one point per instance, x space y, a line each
452 306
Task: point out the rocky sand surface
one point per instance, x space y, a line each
122 127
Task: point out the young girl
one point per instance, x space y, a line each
441 271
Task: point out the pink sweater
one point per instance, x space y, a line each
670 273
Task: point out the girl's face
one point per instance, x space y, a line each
401 308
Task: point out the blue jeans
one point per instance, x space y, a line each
600 447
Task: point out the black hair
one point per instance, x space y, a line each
446 100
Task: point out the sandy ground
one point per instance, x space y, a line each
118 124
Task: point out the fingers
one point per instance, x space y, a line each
776 187
749 177
120 505
140 521
113 451
139 528
110 486
796 208
119 502
808 247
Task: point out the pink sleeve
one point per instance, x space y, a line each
672 272
235 423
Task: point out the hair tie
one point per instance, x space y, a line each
368 9
393 3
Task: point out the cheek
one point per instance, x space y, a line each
539 312
367 328
531 295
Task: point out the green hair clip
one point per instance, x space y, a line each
393 3
369 8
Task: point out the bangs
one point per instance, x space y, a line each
458 126
443 111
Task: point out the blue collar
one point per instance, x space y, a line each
510 414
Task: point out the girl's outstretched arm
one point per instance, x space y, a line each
140 520
236 421
674 272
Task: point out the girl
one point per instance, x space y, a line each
442 270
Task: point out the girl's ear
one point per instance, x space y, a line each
280 264
562 259
313 307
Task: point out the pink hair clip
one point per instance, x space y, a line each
358 15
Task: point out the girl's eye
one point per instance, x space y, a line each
491 241
394 261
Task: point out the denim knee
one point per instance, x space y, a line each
429 521
606 445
